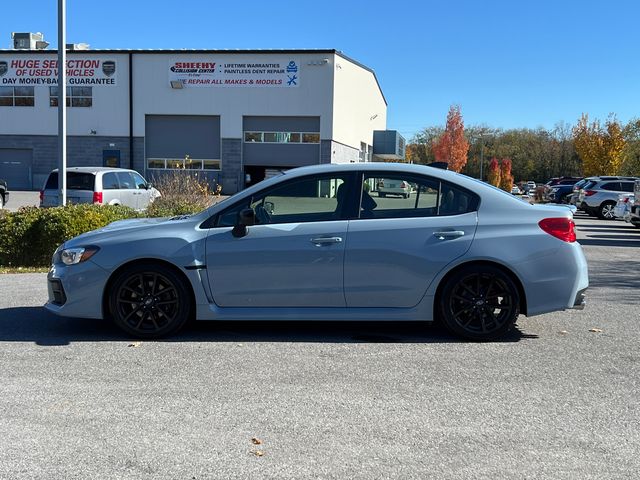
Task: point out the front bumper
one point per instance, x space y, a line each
76 290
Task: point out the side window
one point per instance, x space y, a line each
398 196
613 186
110 181
140 183
455 201
310 199
126 181
626 186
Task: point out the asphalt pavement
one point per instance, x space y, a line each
556 399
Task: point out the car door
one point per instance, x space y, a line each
128 192
293 256
142 192
397 246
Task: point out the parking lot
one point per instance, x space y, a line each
558 398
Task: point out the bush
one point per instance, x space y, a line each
29 236
182 193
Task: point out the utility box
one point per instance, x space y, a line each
388 145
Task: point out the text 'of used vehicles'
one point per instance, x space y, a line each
100 185
320 243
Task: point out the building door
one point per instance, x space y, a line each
15 168
111 158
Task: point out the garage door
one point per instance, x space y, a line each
15 167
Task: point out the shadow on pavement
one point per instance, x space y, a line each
35 324
608 241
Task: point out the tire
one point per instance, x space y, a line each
605 212
479 302
149 301
406 195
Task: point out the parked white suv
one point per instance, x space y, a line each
634 217
599 196
100 185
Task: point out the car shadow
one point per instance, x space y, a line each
609 241
35 324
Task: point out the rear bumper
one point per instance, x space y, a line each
581 300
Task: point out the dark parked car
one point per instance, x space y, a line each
4 193
561 192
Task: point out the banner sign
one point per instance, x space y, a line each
209 72
44 71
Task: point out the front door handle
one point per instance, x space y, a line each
448 234
319 242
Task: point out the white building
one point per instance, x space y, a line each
236 114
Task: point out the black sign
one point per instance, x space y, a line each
109 68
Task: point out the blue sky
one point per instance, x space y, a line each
508 64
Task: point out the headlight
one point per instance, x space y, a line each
71 256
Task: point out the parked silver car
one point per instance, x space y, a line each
634 215
598 197
100 185
313 244
393 186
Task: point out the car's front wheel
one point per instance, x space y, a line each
149 301
479 302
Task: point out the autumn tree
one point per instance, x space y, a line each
631 156
600 148
506 179
452 146
422 144
494 173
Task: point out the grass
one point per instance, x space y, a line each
23 269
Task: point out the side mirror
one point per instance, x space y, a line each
246 217
148 186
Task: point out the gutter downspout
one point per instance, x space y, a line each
130 111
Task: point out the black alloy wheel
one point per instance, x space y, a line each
606 211
480 302
149 301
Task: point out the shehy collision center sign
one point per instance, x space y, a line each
44 71
210 72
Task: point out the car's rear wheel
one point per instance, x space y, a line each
605 211
149 301
480 302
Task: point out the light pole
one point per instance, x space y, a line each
62 103
481 155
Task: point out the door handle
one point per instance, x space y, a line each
448 234
319 242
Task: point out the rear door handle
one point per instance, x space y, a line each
319 242
448 234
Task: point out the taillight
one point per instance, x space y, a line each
625 200
588 193
41 196
97 197
403 185
562 228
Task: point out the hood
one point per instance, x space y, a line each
120 227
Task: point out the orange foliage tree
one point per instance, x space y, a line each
452 147
506 178
494 173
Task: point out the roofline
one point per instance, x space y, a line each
165 51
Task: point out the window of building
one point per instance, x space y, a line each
281 137
76 96
183 163
17 97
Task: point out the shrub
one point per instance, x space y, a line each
182 193
29 236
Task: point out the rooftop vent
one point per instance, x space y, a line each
28 41
77 46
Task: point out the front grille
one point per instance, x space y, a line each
59 297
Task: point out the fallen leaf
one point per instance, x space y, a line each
256 441
595 330
135 344
258 453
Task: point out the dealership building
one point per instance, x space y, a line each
234 116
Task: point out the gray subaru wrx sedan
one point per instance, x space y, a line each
321 243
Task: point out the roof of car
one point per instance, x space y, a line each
95 169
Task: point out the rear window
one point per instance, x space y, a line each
75 181
612 186
627 186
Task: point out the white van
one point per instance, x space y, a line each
100 185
